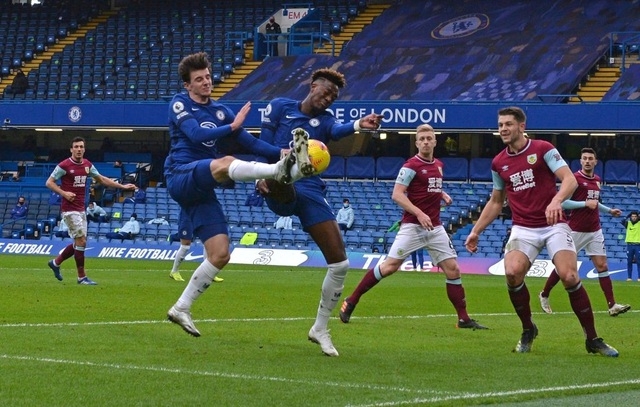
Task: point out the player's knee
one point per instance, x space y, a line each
219 259
339 269
220 167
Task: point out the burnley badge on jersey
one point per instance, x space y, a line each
86 169
532 158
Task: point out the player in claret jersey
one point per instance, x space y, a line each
73 174
418 190
525 172
584 221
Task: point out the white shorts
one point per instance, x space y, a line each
530 241
591 242
76 222
412 237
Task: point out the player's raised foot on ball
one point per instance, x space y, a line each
470 324
175 275
618 309
56 270
301 151
285 165
597 345
346 310
217 279
526 340
183 318
544 303
86 281
322 338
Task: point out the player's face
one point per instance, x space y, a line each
323 94
510 130
77 150
588 162
199 87
425 143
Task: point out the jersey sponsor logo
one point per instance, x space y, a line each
177 107
532 158
460 26
209 125
290 116
194 109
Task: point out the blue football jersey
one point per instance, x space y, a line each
283 115
203 131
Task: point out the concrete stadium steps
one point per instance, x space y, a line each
239 73
355 26
597 85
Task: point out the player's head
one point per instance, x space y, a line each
588 160
325 88
77 148
425 140
195 72
511 124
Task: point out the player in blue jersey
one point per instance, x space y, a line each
307 198
185 234
202 131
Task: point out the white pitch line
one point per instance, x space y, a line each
475 396
291 319
222 375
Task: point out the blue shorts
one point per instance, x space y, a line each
192 186
310 204
185 230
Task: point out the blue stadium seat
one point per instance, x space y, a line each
621 172
360 167
455 168
480 169
388 167
336 168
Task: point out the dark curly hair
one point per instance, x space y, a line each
193 62
331 75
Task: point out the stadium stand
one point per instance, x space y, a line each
485 55
625 88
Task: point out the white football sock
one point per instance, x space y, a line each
332 287
249 171
198 284
180 255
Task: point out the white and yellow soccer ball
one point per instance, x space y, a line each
318 155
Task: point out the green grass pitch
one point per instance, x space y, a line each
110 345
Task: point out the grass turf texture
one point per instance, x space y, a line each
110 345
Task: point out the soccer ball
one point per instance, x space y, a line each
318 155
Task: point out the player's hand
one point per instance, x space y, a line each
129 187
425 221
591 204
447 199
241 116
261 187
615 212
69 196
371 121
471 244
554 213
